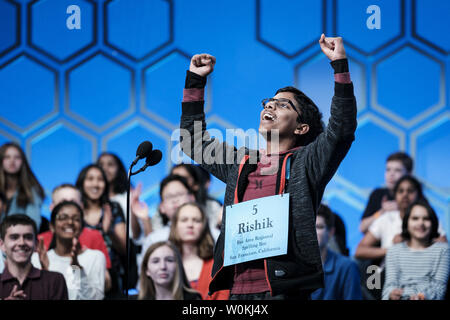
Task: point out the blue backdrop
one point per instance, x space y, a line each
68 94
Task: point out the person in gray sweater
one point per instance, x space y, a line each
418 268
300 159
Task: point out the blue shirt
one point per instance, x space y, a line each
342 280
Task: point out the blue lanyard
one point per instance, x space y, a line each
288 168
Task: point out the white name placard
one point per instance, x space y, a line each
256 229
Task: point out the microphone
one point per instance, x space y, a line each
144 149
152 159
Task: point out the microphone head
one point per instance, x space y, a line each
153 158
144 149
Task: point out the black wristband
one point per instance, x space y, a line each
194 80
340 66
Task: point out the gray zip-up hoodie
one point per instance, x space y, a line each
312 167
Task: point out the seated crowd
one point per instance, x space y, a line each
80 252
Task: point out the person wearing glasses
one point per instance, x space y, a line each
174 191
83 268
300 159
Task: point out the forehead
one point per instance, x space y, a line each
94 172
419 211
11 150
107 158
406 184
19 229
69 194
190 211
320 220
173 186
287 95
395 164
69 210
163 251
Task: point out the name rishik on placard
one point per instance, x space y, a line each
257 225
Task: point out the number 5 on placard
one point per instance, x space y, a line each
255 210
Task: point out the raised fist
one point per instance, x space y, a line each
333 48
202 64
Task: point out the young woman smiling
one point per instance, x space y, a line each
417 268
106 216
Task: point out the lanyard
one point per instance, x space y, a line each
285 174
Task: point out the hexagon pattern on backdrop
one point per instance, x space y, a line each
66 95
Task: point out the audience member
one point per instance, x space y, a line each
107 217
20 280
116 175
162 275
384 229
341 274
190 233
2 206
23 192
212 207
382 200
83 268
89 238
338 241
2 213
417 268
173 191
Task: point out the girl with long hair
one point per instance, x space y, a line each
190 233
162 275
117 177
106 216
24 194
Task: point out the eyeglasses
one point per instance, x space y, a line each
281 103
65 218
173 196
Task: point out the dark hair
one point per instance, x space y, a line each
104 198
325 212
416 183
119 183
204 175
171 178
309 114
201 194
15 219
404 158
56 210
63 204
163 185
431 214
2 197
27 181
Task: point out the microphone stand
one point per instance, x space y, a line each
127 264
130 173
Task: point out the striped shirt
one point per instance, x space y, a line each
417 271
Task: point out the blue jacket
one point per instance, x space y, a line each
33 209
342 280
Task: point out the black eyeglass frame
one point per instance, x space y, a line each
265 101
